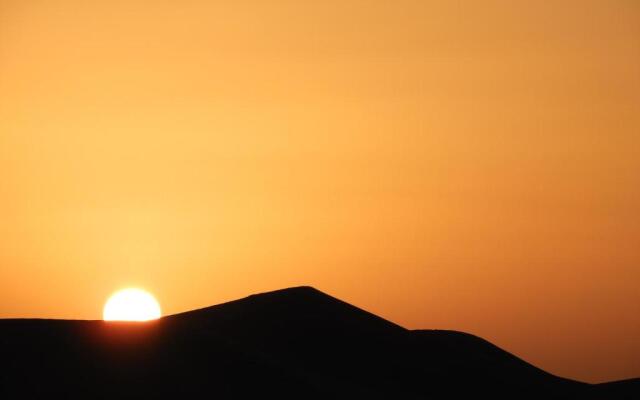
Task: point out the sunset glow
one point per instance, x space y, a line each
457 165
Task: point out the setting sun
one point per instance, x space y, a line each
131 305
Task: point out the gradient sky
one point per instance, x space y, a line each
460 165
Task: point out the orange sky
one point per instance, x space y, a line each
465 167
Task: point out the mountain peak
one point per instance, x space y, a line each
299 308
292 291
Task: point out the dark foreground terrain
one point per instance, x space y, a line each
293 343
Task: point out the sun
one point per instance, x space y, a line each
131 305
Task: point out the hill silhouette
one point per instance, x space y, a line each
291 343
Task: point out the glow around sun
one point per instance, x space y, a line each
131 305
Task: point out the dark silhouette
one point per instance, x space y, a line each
293 343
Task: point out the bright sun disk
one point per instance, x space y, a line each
131 305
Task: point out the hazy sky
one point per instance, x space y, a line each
462 165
